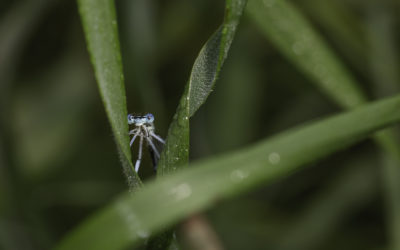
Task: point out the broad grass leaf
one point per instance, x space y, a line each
133 217
100 28
203 77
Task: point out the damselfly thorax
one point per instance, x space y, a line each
144 129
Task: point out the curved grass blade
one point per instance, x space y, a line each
100 28
383 47
204 74
209 62
342 26
295 38
203 77
206 182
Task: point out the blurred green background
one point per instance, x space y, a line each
58 160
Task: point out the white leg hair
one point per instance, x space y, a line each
157 137
137 165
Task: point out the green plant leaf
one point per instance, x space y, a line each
132 217
209 62
204 74
342 26
100 28
203 77
385 78
295 38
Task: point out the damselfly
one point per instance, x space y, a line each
144 128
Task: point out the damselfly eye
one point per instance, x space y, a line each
150 117
131 119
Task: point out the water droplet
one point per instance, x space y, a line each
274 158
182 121
328 81
132 222
298 47
269 3
181 191
238 175
142 233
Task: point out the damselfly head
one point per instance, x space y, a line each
139 120
144 129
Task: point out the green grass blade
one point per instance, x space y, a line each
209 62
294 37
383 47
204 74
100 28
134 216
342 27
346 195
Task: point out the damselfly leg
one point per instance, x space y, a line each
144 128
